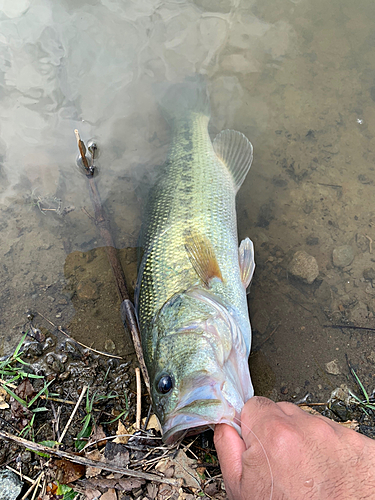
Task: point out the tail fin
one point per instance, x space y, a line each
179 100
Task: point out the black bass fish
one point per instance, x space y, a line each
192 280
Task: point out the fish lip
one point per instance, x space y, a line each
176 430
187 417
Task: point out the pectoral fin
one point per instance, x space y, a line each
236 152
246 261
202 258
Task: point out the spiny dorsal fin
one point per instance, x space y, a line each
236 152
246 261
202 258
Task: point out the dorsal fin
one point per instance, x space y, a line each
236 152
202 258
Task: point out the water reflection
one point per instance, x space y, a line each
296 77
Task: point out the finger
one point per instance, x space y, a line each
258 411
229 447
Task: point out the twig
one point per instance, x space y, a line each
139 394
85 461
256 349
350 327
28 479
34 485
128 314
370 243
76 341
83 392
107 438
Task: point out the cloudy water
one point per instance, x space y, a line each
296 77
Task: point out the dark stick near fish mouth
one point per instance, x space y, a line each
128 315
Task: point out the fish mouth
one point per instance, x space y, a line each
201 409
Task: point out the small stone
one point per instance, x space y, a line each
333 367
304 266
362 242
369 274
359 313
343 256
109 346
284 390
312 240
58 315
10 485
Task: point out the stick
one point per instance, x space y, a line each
350 327
139 394
34 485
127 309
85 461
76 341
83 392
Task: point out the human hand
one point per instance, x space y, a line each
288 454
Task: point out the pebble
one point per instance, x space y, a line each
10 485
343 256
109 345
359 313
304 266
333 367
369 274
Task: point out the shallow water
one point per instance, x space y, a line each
296 77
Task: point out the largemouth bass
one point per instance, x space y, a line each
192 280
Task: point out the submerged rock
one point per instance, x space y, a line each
333 367
10 485
343 256
304 266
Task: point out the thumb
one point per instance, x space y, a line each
229 447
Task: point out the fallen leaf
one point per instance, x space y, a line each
350 424
92 494
116 454
109 495
25 390
98 434
94 455
130 484
3 396
121 429
153 423
184 470
70 471
310 410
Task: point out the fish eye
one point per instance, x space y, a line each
165 384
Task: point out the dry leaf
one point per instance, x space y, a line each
69 470
121 429
92 494
153 423
94 455
310 410
109 495
116 454
97 435
350 424
3 396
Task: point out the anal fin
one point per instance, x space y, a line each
246 261
202 258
